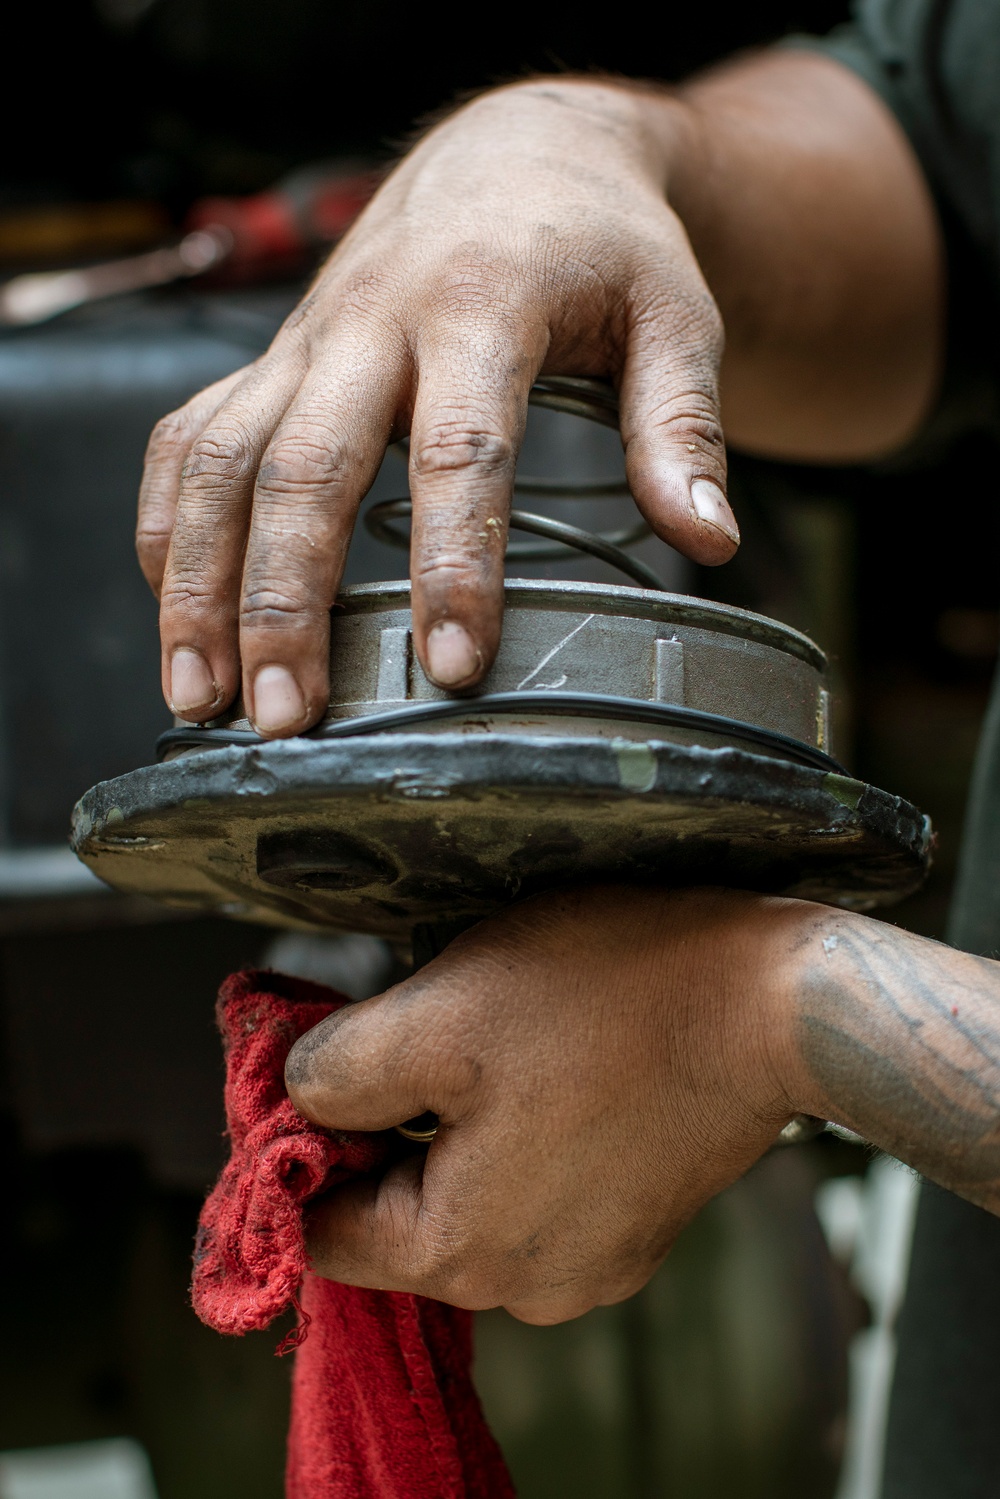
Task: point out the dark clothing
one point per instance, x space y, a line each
936 63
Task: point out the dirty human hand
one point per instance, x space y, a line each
557 226
603 1062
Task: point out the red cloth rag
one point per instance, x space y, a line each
383 1404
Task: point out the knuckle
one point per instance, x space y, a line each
171 436
186 597
303 463
448 571
151 543
153 527
697 318
219 455
468 281
299 316
550 1313
685 309
366 290
355 304
267 608
454 445
694 420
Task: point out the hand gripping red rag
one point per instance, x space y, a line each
383 1404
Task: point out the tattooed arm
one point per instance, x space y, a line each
899 1039
604 1061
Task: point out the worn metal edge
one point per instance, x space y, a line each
611 599
436 765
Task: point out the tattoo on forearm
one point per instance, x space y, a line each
903 1035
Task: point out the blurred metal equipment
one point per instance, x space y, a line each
249 239
623 733
79 690
40 295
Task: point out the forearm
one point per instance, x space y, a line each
815 229
898 1038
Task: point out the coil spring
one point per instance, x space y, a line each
597 402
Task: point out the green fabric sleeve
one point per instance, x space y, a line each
936 64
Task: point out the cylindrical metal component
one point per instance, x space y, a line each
572 638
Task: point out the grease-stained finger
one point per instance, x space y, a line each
318 466
671 420
199 597
468 423
383 1061
166 453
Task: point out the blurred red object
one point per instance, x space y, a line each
227 241
278 232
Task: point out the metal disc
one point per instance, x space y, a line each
384 833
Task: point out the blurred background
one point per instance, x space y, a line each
756 1359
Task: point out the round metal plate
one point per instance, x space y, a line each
382 833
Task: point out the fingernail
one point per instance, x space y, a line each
452 655
277 700
711 505
192 685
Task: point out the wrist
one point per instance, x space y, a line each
775 948
807 949
638 127
731 972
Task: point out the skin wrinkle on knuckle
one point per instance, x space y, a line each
446 448
172 436
366 296
682 420
264 610
687 425
693 333
360 311
219 456
300 314
692 322
183 596
354 288
304 466
153 534
469 276
454 575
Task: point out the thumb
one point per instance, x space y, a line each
670 418
369 1066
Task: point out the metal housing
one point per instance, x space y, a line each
442 823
